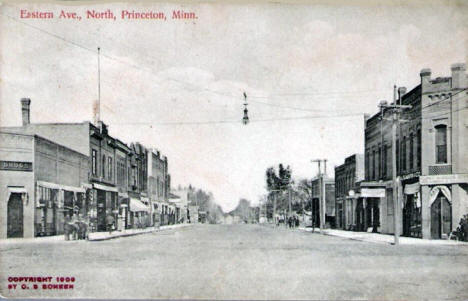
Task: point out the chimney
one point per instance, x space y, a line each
458 76
401 92
25 110
425 78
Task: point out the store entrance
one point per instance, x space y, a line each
15 216
441 217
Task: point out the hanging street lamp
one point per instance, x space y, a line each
245 119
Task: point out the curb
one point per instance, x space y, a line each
420 242
135 233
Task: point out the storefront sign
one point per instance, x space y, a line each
444 179
373 192
16 165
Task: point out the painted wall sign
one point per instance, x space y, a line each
16 165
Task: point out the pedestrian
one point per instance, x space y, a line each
109 223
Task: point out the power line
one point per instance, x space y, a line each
182 82
238 121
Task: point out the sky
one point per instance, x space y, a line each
310 72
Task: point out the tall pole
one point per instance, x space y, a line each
395 109
98 109
396 218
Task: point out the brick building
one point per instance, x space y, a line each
431 159
43 184
323 200
347 180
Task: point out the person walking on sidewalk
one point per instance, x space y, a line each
110 222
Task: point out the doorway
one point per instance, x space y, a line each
15 216
441 217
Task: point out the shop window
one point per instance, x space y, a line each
441 144
389 202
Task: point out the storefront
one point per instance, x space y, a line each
123 202
106 204
444 200
368 208
139 214
55 204
412 210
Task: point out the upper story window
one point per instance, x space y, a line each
373 165
384 161
94 162
109 168
398 156
403 154
418 149
411 151
104 166
441 144
367 162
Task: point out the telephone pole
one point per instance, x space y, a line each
395 111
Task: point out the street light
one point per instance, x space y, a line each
245 119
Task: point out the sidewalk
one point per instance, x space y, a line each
95 236
384 238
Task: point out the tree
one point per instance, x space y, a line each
278 184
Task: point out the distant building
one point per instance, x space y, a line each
323 200
347 179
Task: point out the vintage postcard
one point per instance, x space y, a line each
253 150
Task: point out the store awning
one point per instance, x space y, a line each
17 189
372 192
411 188
60 187
137 206
123 195
105 187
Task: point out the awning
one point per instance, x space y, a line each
105 187
373 192
411 188
60 187
123 195
17 190
137 206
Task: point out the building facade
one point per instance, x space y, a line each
347 180
323 201
42 182
431 159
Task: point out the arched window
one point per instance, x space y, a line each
441 144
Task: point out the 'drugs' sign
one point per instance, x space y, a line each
16 165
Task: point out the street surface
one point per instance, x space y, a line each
240 262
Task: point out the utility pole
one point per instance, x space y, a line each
98 109
395 110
